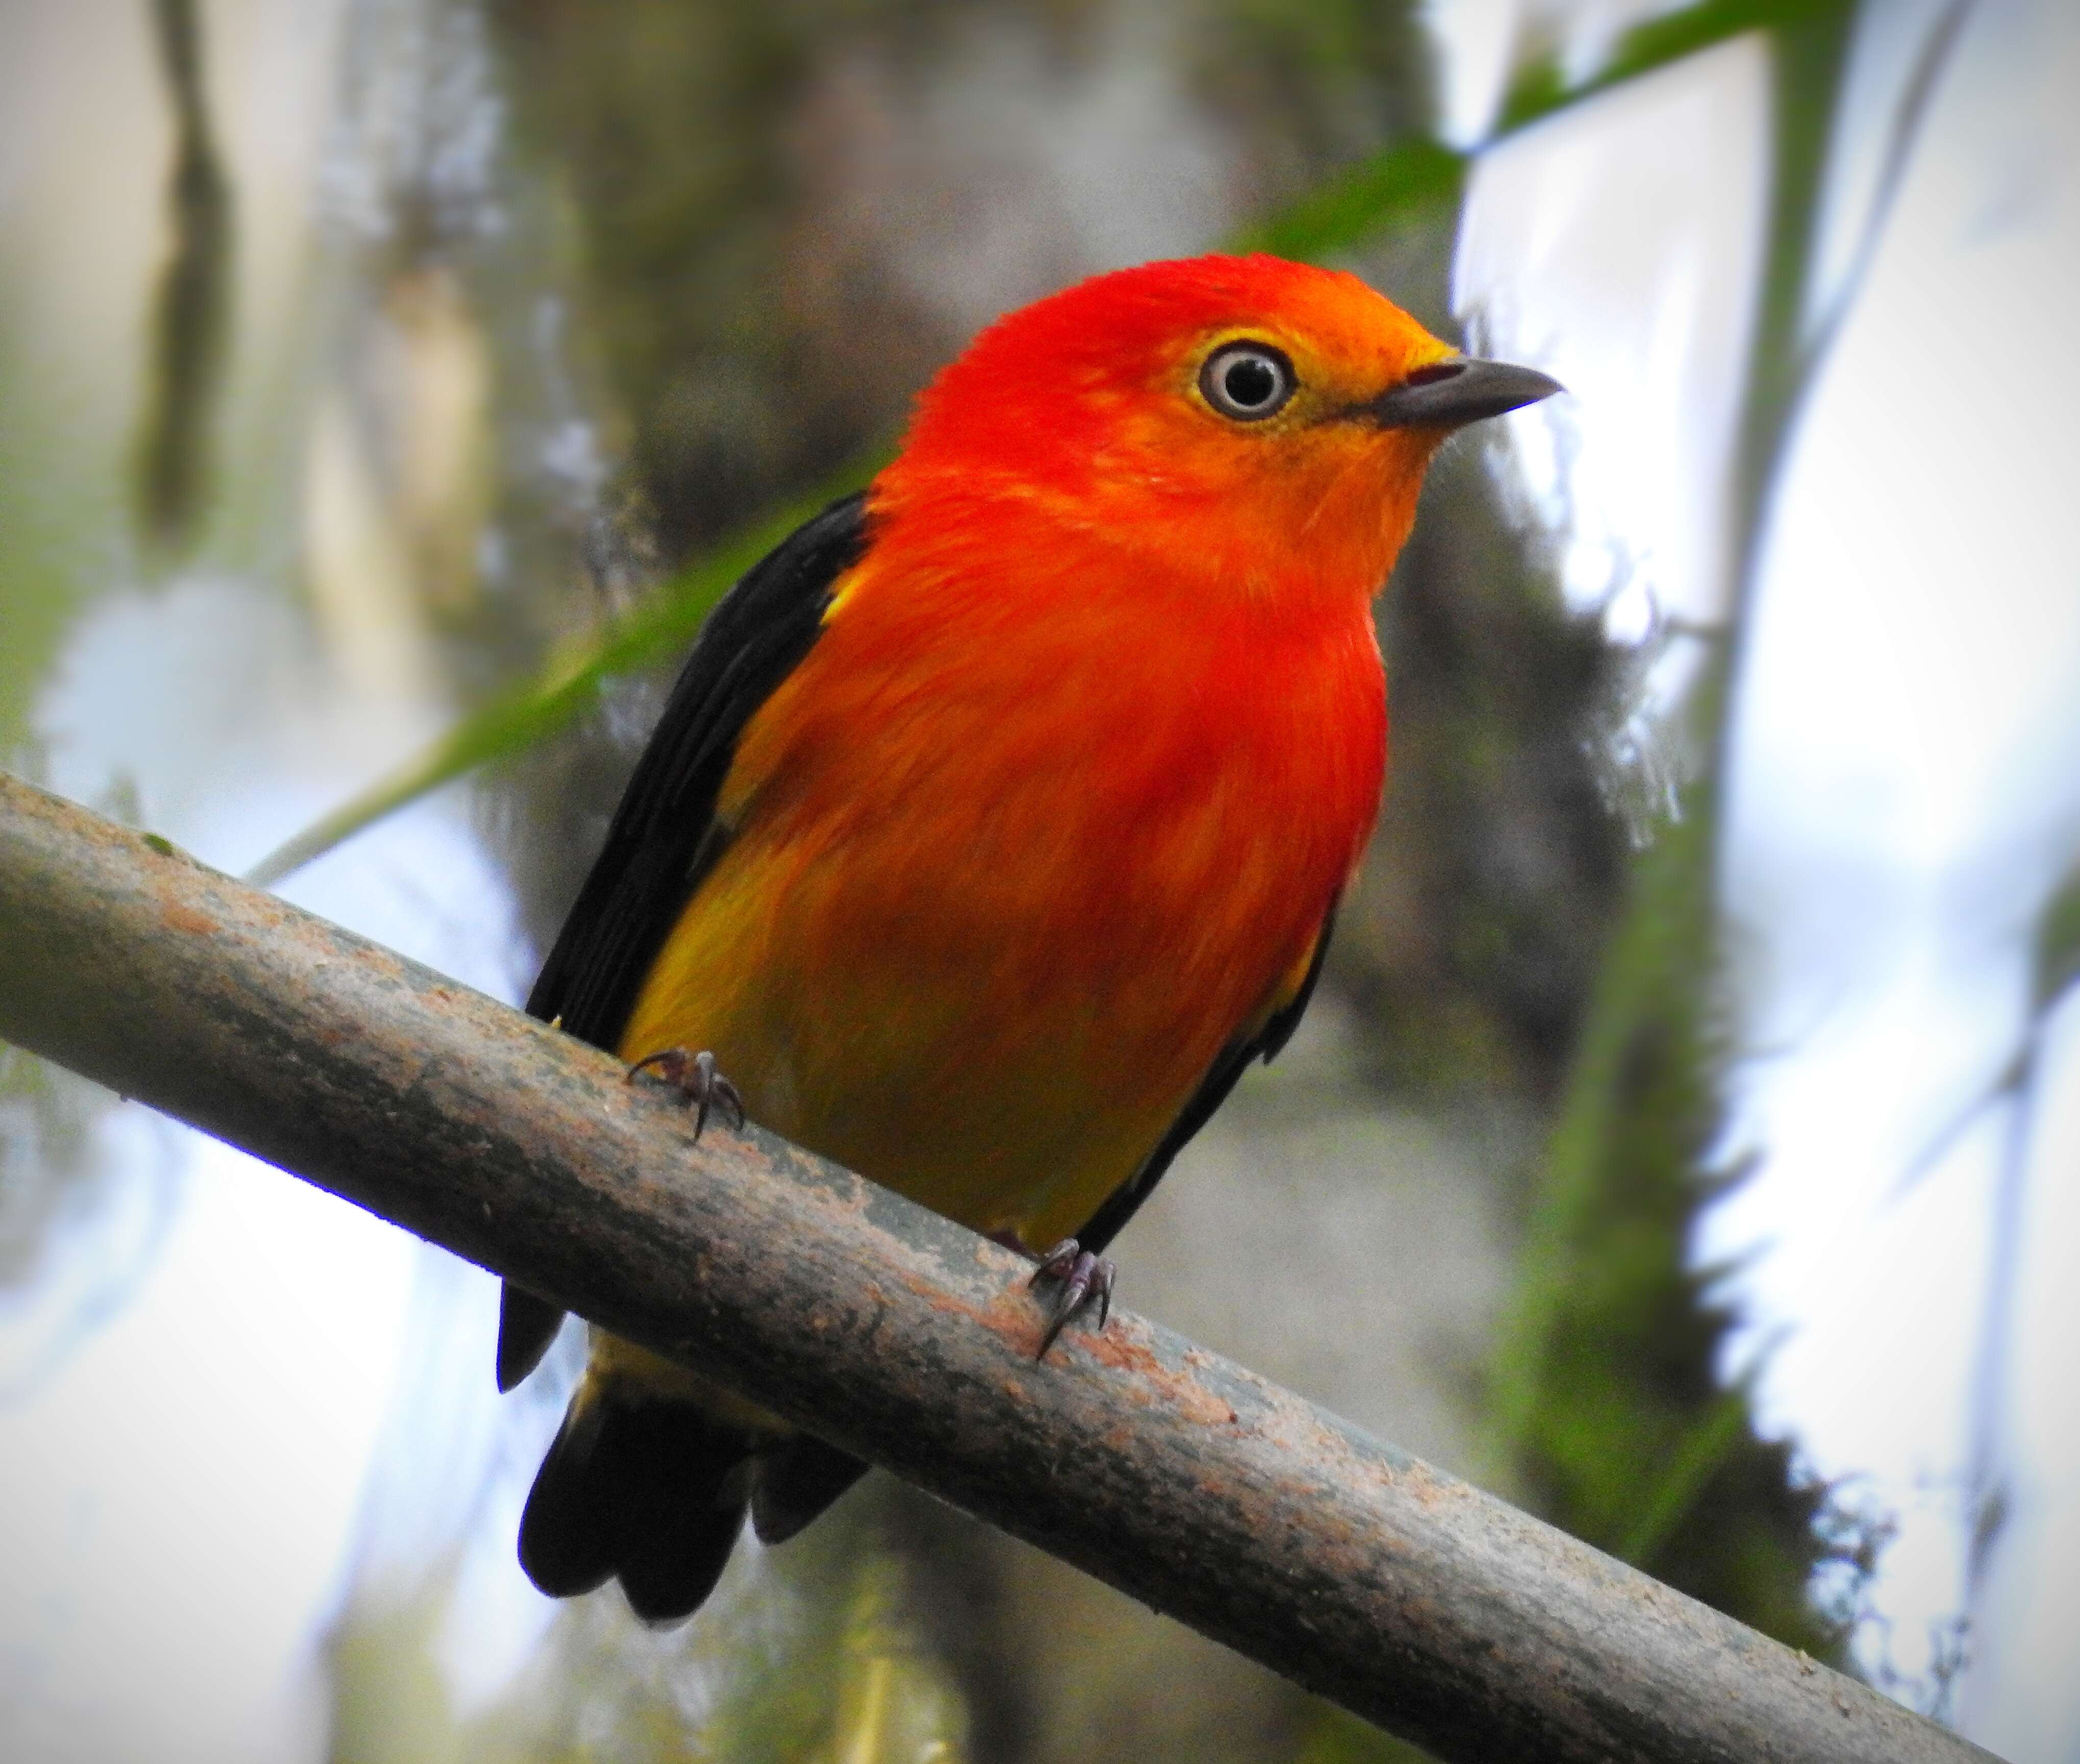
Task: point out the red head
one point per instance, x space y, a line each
1261 425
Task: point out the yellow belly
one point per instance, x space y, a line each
914 1053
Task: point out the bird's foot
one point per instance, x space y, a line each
695 1076
1087 1279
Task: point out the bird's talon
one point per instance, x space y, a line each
1057 1264
695 1076
1086 1279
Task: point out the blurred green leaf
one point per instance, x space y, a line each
563 691
390 1699
2057 964
191 307
1538 90
1337 1737
1407 178
896 1704
1712 1438
2054 967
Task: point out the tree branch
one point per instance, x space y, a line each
1411 1598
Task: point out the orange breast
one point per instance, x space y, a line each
1025 840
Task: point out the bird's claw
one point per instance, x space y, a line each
1086 1279
695 1078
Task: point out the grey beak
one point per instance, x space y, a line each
1459 390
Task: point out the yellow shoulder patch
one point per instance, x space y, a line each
847 585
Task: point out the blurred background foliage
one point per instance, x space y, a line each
607 297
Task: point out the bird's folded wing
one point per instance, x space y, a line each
666 836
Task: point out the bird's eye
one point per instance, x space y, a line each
1247 381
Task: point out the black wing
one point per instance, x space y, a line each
1278 1030
665 838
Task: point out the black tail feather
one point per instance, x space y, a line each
681 1506
526 1325
796 1481
567 1542
648 1489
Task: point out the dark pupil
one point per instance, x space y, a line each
1250 381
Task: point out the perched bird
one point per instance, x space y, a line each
998 819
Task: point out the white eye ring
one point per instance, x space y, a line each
1247 382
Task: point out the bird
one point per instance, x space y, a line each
997 822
